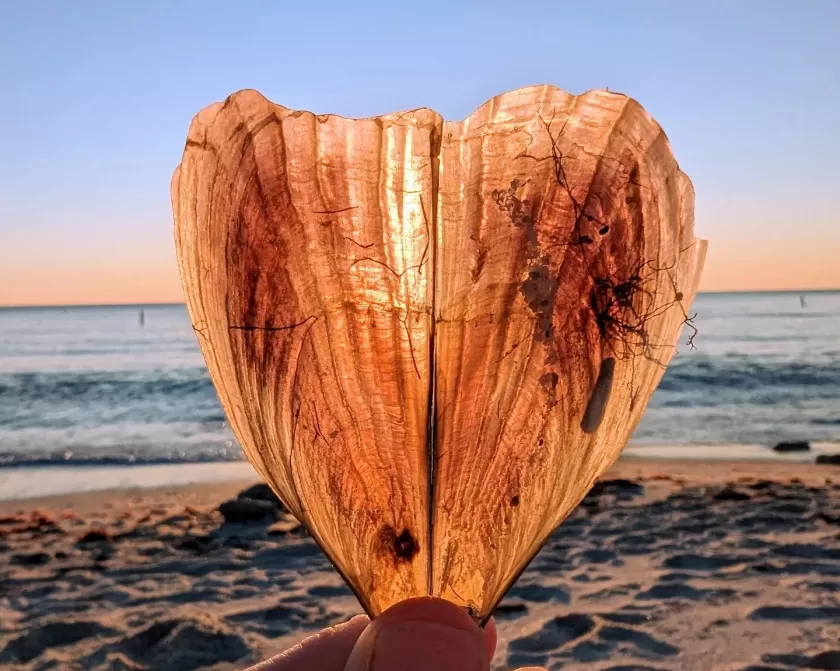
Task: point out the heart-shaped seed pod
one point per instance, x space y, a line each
431 338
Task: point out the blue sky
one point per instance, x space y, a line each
97 98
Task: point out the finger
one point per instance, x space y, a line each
327 650
421 634
491 638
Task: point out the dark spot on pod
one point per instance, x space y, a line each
594 414
539 292
479 264
514 501
541 442
585 240
548 381
604 230
403 546
678 296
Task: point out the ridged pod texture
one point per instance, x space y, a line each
430 338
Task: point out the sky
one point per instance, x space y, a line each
96 98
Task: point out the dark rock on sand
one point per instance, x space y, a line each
624 489
257 503
261 492
244 510
95 536
786 659
833 459
31 558
792 446
830 660
607 493
731 494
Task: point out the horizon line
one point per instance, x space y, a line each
35 306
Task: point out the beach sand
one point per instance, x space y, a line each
665 565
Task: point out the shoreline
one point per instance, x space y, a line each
207 480
22 482
28 483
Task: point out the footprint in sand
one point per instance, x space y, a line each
534 649
30 645
796 613
539 593
184 644
592 639
671 591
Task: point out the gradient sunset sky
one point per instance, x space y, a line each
97 97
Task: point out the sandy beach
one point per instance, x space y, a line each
665 565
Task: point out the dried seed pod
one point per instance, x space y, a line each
431 338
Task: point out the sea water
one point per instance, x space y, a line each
127 385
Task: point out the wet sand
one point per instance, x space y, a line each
665 565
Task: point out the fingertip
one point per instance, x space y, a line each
491 637
420 634
428 609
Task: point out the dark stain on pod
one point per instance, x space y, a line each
594 414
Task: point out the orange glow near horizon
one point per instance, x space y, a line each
90 286
787 265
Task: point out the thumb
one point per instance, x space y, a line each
419 635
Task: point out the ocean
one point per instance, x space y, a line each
93 386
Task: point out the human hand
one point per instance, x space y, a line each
415 635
